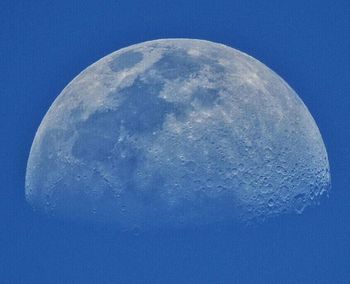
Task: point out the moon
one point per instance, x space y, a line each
176 132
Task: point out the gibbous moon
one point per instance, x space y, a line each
176 132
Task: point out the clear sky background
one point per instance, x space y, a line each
44 44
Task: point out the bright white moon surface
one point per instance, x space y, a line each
176 132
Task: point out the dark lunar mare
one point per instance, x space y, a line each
141 112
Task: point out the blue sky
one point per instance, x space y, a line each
44 45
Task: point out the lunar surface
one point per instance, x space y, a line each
176 132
